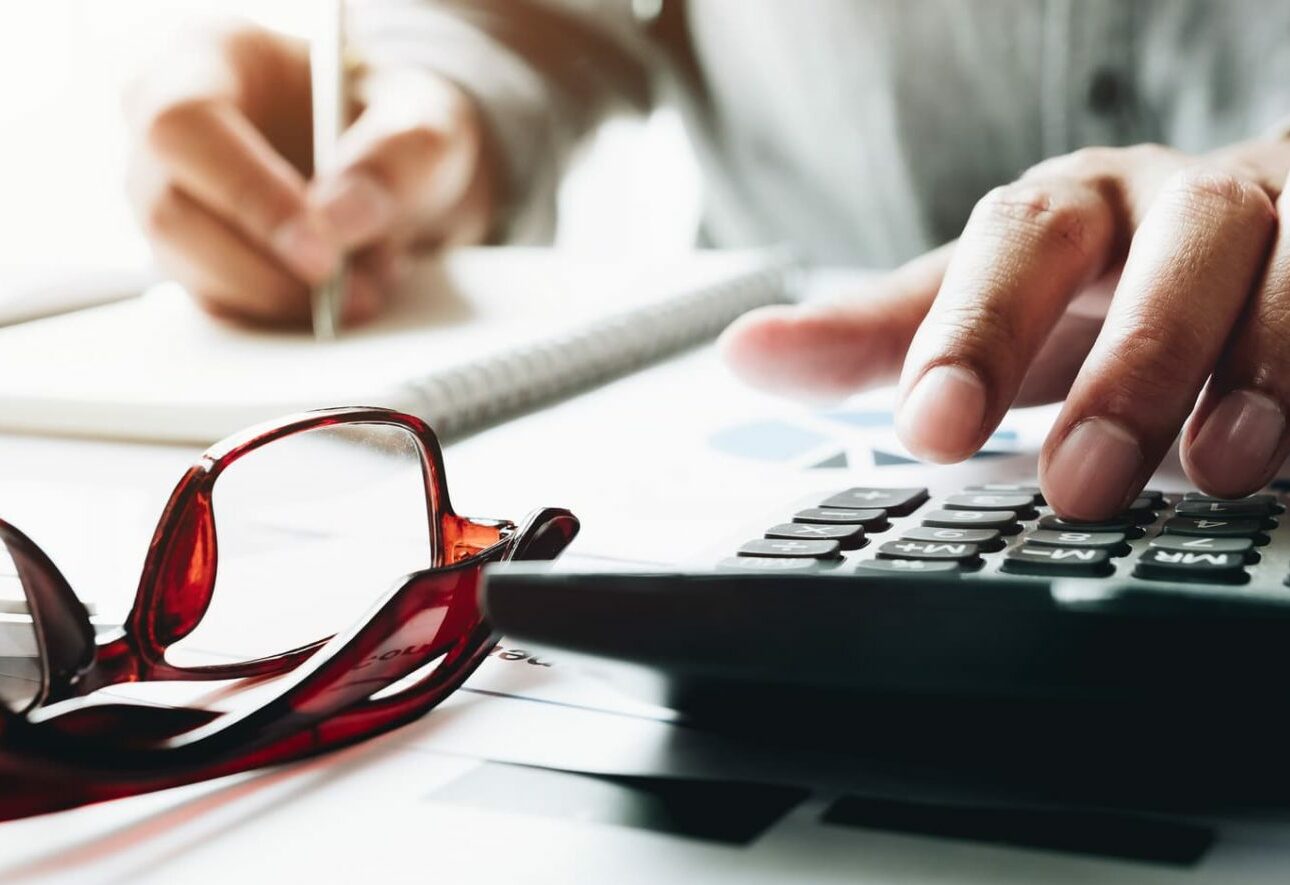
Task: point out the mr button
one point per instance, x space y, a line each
1176 565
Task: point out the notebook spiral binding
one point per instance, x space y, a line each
476 394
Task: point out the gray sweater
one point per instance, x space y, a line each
861 130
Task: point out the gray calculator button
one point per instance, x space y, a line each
849 536
1111 542
897 502
908 566
794 548
1176 565
1184 544
1246 508
987 539
1267 503
1019 504
767 564
1000 520
1216 528
953 551
1036 496
871 520
1075 562
1124 524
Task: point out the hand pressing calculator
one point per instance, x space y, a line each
970 623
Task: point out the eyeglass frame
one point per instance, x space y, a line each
155 747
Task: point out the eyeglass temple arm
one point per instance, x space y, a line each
543 536
64 635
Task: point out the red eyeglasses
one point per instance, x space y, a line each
271 533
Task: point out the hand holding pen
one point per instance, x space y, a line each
220 176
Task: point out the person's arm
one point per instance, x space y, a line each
461 133
542 74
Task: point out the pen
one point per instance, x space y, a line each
327 77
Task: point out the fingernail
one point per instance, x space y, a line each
942 416
1093 471
301 244
355 206
1235 445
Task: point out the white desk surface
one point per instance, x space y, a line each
388 808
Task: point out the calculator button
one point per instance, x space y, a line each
1216 528
1018 504
793 548
954 551
870 520
1177 565
897 502
767 564
986 539
1074 562
1270 502
908 566
1142 510
1112 542
1157 498
1224 509
1001 520
1184 544
849 536
1123 524
1036 496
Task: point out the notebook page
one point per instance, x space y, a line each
157 368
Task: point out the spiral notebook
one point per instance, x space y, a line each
472 338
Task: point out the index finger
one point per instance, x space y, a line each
217 156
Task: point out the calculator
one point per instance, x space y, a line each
971 623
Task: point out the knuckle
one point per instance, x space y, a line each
162 212
1064 215
261 206
983 331
417 142
1148 154
1152 365
1084 163
174 124
1210 192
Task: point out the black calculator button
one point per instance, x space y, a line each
1184 544
1073 562
849 536
1112 542
793 548
897 502
1270 504
1000 520
767 564
1123 524
1019 504
1247 508
986 539
952 551
1177 565
908 566
1142 510
870 520
1216 528
1156 497
1003 488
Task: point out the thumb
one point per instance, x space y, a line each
833 349
405 165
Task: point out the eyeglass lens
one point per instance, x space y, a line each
310 530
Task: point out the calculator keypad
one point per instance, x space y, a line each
1007 529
